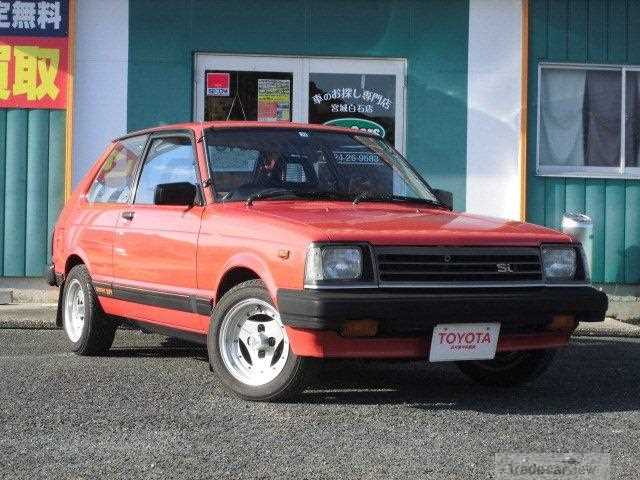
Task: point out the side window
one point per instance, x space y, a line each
113 182
170 160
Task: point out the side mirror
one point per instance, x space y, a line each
445 198
179 193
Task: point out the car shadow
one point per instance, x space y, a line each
592 375
168 347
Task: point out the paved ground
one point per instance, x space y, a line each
152 409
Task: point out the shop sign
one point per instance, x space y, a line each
363 102
353 100
33 72
359 124
218 84
274 100
34 18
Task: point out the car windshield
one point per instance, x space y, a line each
258 163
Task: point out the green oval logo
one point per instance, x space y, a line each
359 124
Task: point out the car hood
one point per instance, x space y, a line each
408 224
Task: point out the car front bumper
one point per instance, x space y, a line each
406 318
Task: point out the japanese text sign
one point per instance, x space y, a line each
33 72
35 18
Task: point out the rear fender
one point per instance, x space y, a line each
59 310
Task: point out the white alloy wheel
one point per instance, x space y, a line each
74 310
253 342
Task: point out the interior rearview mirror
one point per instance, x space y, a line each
178 193
445 197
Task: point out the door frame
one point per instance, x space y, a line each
300 67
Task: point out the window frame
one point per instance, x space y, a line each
190 134
134 174
619 172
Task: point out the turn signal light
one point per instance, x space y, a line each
360 328
565 323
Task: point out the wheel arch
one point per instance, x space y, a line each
72 260
232 277
241 268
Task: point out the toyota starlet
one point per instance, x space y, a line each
278 245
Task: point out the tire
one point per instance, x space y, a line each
88 329
245 324
509 369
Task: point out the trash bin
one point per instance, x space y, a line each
580 227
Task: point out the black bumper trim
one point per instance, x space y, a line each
420 310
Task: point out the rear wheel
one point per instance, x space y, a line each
88 329
249 348
509 368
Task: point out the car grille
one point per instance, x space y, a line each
458 265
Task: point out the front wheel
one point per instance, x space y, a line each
249 348
509 369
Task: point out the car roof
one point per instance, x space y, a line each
239 125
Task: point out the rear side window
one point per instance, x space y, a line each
114 181
170 160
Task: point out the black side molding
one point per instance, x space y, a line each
154 298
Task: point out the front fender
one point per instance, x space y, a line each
255 263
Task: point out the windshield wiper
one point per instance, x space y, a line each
381 197
283 192
268 193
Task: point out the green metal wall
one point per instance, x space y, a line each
587 31
431 34
32 152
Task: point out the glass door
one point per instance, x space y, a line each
363 94
247 87
241 95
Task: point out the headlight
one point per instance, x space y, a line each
559 263
333 263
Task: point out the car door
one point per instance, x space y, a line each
154 256
98 212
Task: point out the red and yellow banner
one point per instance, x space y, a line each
33 72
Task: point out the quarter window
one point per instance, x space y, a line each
588 121
170 160
114 180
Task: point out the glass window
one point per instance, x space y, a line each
361 102
237 95
170 160
589 125
310 164
602 111
632 127
113 182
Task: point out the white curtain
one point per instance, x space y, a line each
561 117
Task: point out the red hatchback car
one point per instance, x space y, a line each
276 245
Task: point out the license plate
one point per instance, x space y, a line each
464 341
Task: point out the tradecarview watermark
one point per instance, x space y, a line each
547 466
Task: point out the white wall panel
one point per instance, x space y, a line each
493 121
100 90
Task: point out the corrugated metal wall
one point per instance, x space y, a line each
587 31
32 152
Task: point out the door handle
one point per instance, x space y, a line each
128 215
